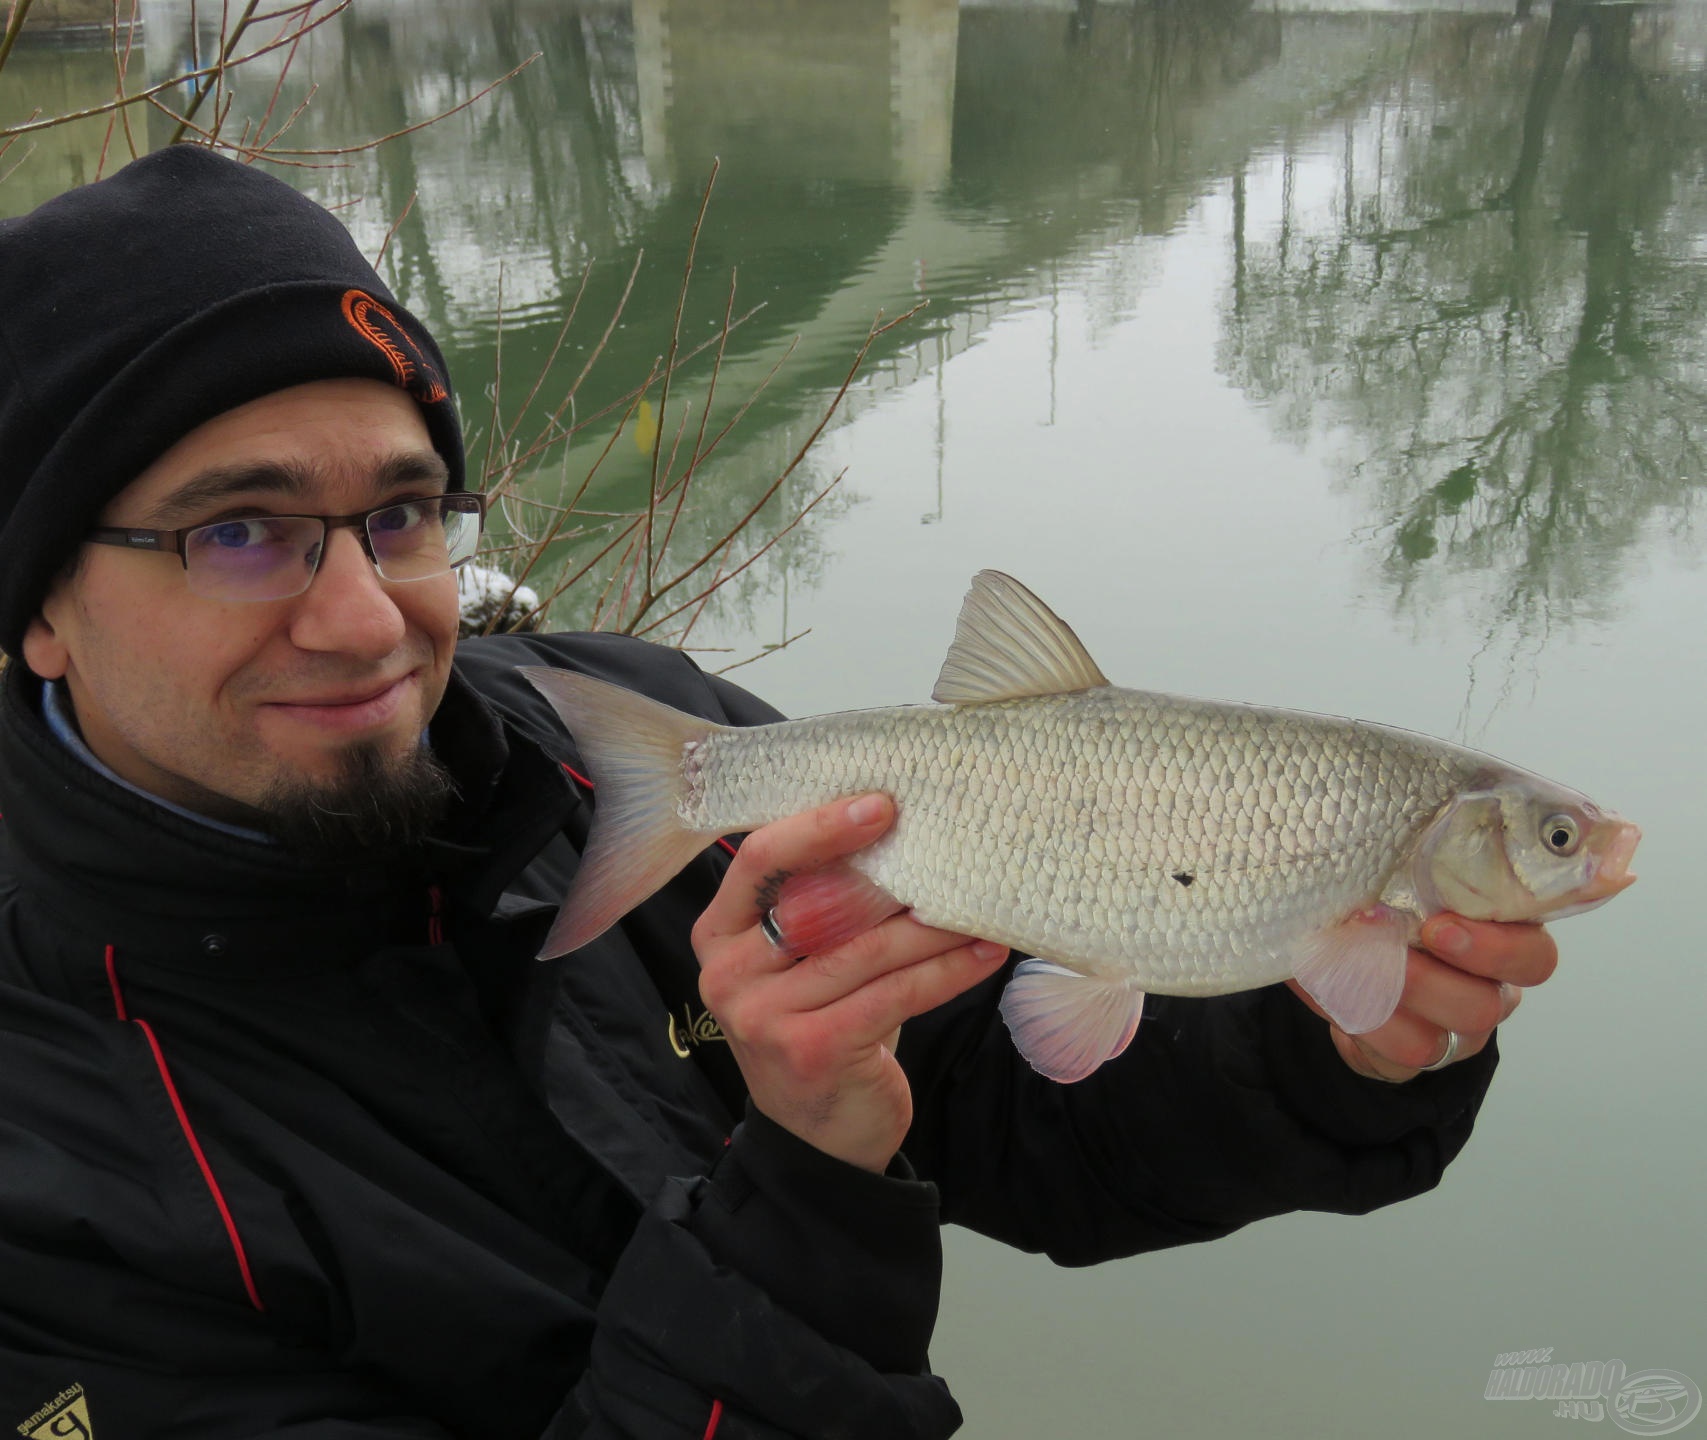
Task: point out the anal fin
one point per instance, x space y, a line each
1066 1023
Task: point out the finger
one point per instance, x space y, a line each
749 986
818 911
847 999
1448 998
1520 954
1374 1063
1407 1044
825 977
871 1013
775 852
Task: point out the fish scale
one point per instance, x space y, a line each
1132 841
1058 826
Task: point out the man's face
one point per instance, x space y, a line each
221 706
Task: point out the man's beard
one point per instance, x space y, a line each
376 802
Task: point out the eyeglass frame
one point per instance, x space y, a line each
162 542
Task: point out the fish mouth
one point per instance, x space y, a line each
1615 854
1611 852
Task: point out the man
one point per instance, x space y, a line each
296 1137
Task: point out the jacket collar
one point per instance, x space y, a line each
113 864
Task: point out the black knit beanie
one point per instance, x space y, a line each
134 309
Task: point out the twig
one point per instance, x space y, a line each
242 150
121 67
396 225
699 450
226 51
14 28
278 85
680 487
336 150
551 359
289 122
724 579
610 329
138 97
768 650
669 367
545 443
624 566
6 143
301 8
563 518
497 374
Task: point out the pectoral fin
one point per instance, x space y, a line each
826 908
1356 970
1066 1024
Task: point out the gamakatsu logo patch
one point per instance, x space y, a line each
378 326
64 1416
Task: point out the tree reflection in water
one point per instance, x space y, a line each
1503 319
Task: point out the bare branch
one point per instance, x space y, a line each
767 650
396 225
669 367
138 97
121 67
226 51
278 85
337 150
14 28
497 374
699 450
722 578
6 143
550 360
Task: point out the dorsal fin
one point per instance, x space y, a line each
1009 644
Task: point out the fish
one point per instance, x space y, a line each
1127 842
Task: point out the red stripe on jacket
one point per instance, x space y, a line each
188 1129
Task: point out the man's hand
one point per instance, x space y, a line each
1463 976
815 1036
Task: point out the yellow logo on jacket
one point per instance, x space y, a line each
690 1031
64 1417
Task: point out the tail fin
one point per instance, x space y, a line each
633 747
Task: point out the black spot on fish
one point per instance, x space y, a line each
1185 877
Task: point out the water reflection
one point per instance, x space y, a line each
1466 247
1498 306
858 91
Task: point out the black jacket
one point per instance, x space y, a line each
287 1150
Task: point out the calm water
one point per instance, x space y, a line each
1351 358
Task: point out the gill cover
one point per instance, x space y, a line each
1460 863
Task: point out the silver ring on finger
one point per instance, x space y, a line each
1448 1055
773 932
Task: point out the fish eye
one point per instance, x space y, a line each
1561 834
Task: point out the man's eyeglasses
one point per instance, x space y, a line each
272 557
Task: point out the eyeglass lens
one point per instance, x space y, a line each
271 557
